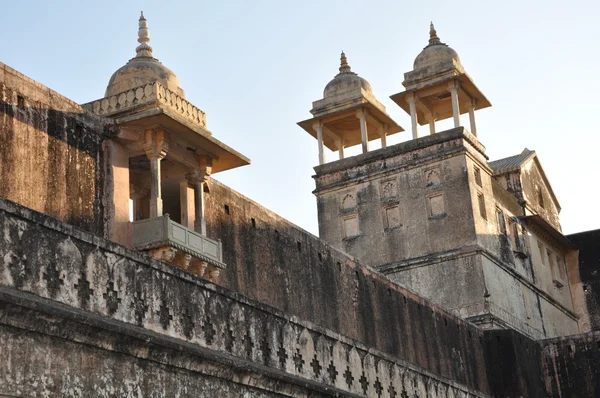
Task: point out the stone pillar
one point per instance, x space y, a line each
186 201
118 226
197 178
155 191
431 120
319 129
361 114
453 86
472 118
340 145
412 104
383 130
156 149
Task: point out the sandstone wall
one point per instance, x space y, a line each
273 261
80 316
51 157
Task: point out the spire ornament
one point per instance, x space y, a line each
433 37
143 50
344 66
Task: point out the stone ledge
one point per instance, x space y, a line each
399 149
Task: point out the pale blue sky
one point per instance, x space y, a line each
256 66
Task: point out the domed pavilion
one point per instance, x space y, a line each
438 88
161 159
348 115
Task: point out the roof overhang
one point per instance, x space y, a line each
435 99
549 229
224 157
342 126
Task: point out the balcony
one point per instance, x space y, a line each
170 242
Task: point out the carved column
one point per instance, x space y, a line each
471 106
383 131
431 120
453 86
197 178
340 145
412 104
319 129
186 202
156 148
361 114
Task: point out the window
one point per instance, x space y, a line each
391 217
350 224
550 259
477 173
542 253
557 265
540 196
513 229
348 202
435 205
481 201
432 177
562 271
501 222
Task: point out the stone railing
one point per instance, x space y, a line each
61 264
171 242
153 92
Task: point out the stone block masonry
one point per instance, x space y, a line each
274 262
80 314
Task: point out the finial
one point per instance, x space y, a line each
433 37
344 67
143 50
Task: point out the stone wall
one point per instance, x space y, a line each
275 262
398 203
589 270
513 365
51 157
81 314
570 365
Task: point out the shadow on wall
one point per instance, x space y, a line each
52 161
589 268
275 262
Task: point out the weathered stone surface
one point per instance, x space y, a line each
570 365
430 216
91 291
51 157
272 261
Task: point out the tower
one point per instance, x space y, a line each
434 216
161 159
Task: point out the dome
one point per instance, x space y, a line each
143 69
344 80
436 52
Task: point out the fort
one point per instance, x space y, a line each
127 270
